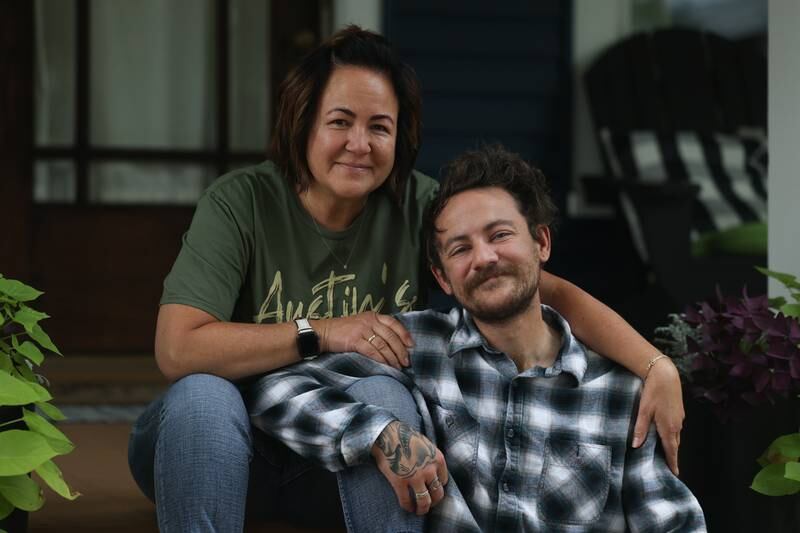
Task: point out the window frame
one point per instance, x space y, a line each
82 153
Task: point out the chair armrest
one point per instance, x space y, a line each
664 211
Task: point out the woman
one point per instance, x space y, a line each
328 232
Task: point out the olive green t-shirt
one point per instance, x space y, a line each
253 254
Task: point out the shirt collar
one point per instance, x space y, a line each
571 357
466 334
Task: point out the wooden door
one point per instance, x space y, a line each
101 263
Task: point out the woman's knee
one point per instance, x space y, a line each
206 401
387 392
196 408
205 413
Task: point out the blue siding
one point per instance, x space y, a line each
490 71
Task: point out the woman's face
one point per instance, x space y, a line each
352 142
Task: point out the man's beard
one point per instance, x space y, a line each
524 290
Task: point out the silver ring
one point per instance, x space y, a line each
370 339
435 484
423 494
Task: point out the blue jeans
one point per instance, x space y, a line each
194 453
368 500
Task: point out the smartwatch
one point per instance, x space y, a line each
307 339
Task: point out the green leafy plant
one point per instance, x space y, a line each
780 472
738 352
29 441
790 309
780 463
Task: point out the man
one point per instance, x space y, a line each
534 428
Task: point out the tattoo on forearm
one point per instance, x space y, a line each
405 449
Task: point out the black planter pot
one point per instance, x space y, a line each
17 521
718 463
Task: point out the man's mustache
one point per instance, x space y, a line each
489 272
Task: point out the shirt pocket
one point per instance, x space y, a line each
457 437
573 487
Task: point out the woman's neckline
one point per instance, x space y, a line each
337 232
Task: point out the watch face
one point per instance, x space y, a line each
308 344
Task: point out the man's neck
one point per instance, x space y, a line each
526 338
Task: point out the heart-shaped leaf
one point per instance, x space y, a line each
772 482
787 446
22 451
22 492
18 291
57 440
38 334
29 350
28 317
14 391
51 411
792 310
51 475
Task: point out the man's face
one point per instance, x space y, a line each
490 261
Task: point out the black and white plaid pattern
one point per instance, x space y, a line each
542 450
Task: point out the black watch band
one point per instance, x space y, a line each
307 339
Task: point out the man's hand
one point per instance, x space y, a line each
662 400
414 467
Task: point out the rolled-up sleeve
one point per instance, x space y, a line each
306 406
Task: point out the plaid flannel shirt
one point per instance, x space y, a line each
542 450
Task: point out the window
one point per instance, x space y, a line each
147 102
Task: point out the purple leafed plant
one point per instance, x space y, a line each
735 352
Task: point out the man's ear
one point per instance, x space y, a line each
442 280
542 237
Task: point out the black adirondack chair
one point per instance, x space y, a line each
683 92
680 94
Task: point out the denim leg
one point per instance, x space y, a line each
190 452
368 500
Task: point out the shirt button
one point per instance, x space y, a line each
505 487
510 433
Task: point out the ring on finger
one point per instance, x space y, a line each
372 337
423 494
435 484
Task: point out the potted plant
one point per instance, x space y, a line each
28 440
780 472
735 353
739 359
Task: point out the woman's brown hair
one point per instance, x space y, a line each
302 89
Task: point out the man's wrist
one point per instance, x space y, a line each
362 433
377 450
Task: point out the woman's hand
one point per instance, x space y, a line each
379 337
662 399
